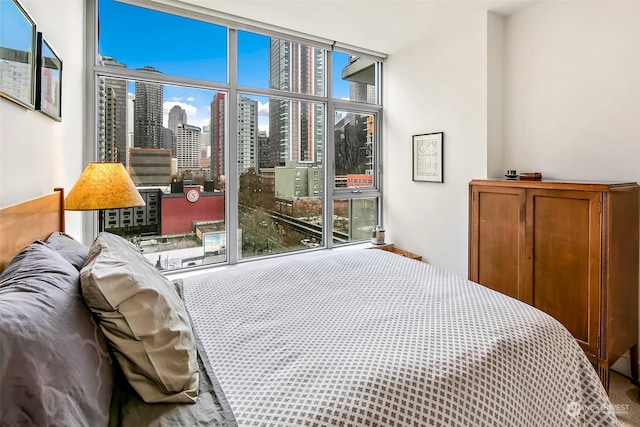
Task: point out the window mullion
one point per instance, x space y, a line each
329 156
377 160
140 75
280 94
231 158
90 218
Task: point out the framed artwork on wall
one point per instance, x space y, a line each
48 80
17 54
428 156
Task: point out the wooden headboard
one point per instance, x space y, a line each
26 222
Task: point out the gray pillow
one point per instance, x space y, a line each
55 367
143 319
70 249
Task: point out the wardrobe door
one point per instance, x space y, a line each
497 238
564 228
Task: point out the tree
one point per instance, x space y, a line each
251 191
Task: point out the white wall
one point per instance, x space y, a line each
436 85
495 95
572 90
36 152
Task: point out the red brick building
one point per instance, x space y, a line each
359 180
181 210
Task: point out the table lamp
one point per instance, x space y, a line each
103 186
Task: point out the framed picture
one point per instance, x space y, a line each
48 80
428 157
17 54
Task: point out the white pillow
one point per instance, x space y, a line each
143 319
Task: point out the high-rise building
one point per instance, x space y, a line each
188 146
362 92
147 114
112 141
295 127
247 135
206 144
169 140
361 75
264 150
217 133
177 116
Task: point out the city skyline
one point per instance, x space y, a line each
201 55
177 135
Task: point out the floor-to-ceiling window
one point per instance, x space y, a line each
228 135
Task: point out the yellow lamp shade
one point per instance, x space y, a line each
103 186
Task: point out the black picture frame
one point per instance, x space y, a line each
17 54
428 157
48 80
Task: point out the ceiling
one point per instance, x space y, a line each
384 26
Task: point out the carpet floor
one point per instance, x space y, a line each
625 397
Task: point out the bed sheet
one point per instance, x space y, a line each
367 337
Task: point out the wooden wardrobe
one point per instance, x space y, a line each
570 249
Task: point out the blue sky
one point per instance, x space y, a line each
188 48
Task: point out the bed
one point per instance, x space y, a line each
349 338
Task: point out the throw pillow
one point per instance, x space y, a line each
143 319
55 367
70 249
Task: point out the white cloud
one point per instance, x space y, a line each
263 116
191 99
263 109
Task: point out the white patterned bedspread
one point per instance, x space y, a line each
369 338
